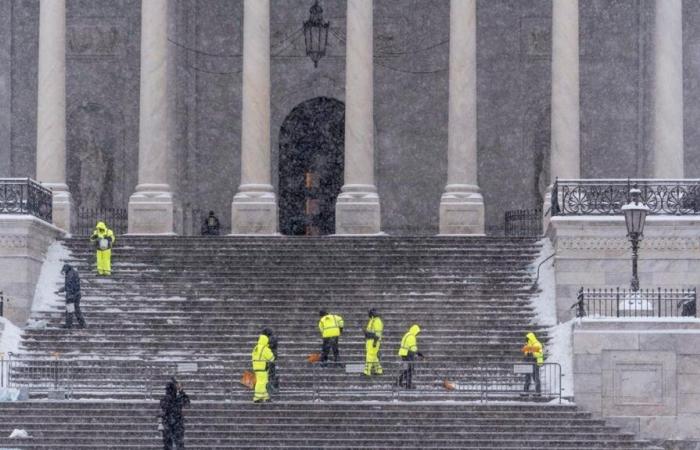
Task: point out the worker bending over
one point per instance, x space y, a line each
331 327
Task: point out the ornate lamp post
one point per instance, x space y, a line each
316 34
635 215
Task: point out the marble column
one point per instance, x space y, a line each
151 205
565 152
357 208
668 89
462 205
254 207
51 109
565 158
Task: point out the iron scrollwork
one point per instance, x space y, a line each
606 197
25 196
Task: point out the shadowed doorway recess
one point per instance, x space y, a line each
311 167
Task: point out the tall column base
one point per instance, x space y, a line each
254 210
151 210
357 210
62 205
462 210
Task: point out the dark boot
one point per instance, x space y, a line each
69 321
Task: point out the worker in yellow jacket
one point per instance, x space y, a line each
373 341
534 353
331 327
262 357
103 238
408 353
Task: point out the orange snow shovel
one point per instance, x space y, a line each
449 385
248 379
313 358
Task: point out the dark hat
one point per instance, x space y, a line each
372 312
322 312
267 332
66 268
211 213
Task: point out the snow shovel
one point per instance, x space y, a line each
449 385
248 379
313 358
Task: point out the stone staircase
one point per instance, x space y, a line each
131 425
195 306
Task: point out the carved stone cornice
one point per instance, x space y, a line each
671 243
14 241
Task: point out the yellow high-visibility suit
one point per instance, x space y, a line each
533 349
373 341
261 356
409 343
101 236
330 325
408 352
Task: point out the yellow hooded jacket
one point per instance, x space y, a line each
535 348
262 355
101 232
409 343
330 325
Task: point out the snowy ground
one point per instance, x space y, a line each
49 279
9 338
560 348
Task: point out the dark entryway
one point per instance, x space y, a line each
311 167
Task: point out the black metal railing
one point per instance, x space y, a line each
606 197
25 196
116 219
618 302
523 223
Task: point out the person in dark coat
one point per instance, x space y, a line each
71 287
173 424
272 367
211 225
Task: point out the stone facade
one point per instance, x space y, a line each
410 98
594 252
24 241
641 376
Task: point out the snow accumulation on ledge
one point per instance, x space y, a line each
50 278
560 347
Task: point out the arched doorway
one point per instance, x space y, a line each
311 164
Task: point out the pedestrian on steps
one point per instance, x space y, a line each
534 354
262 357
172 422
408 353
211 226
373 341
272 367
331 327
71 287
103 238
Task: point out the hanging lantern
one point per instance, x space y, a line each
316 34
